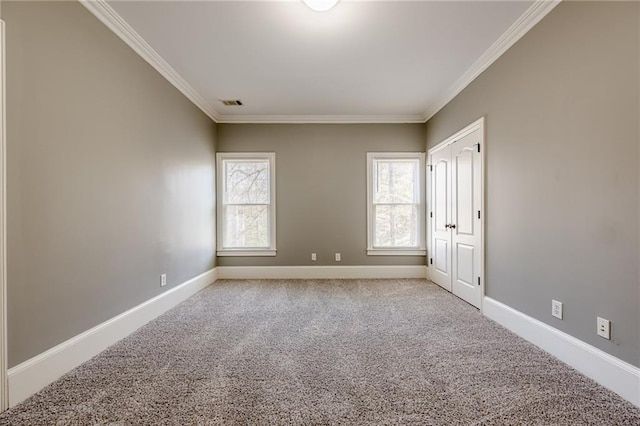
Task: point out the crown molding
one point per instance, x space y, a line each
109 17
528 20
320 119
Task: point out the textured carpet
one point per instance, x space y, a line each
323 352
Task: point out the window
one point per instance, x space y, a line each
246 204
395 197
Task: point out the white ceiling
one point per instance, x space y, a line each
377 60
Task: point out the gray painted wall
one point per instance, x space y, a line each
110 177
321 187
562 109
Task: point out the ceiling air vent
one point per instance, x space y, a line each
231 102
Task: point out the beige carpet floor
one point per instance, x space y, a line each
323 352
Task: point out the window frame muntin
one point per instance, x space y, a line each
220 205
420 249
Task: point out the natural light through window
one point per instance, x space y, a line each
395 193
246 204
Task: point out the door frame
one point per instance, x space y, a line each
4 388
479 124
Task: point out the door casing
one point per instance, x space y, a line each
476 125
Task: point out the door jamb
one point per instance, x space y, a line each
479 124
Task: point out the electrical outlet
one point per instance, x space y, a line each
163 280
556 309
338 257
604 328
314 257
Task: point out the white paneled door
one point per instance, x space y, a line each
440 215
466 191
455 215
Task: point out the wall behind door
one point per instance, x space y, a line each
562 108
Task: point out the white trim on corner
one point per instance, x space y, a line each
534 14
109 17
609 371
320 272
4 389
320 119
32 375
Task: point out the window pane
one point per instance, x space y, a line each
396 226
246 182
395 181
246 226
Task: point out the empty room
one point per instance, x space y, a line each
319 212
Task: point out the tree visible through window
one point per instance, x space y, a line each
246 216
395 201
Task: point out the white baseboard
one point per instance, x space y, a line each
611 372
32 375
320 272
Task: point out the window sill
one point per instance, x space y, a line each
252 253
396 252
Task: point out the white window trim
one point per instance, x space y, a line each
249 251
420 250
